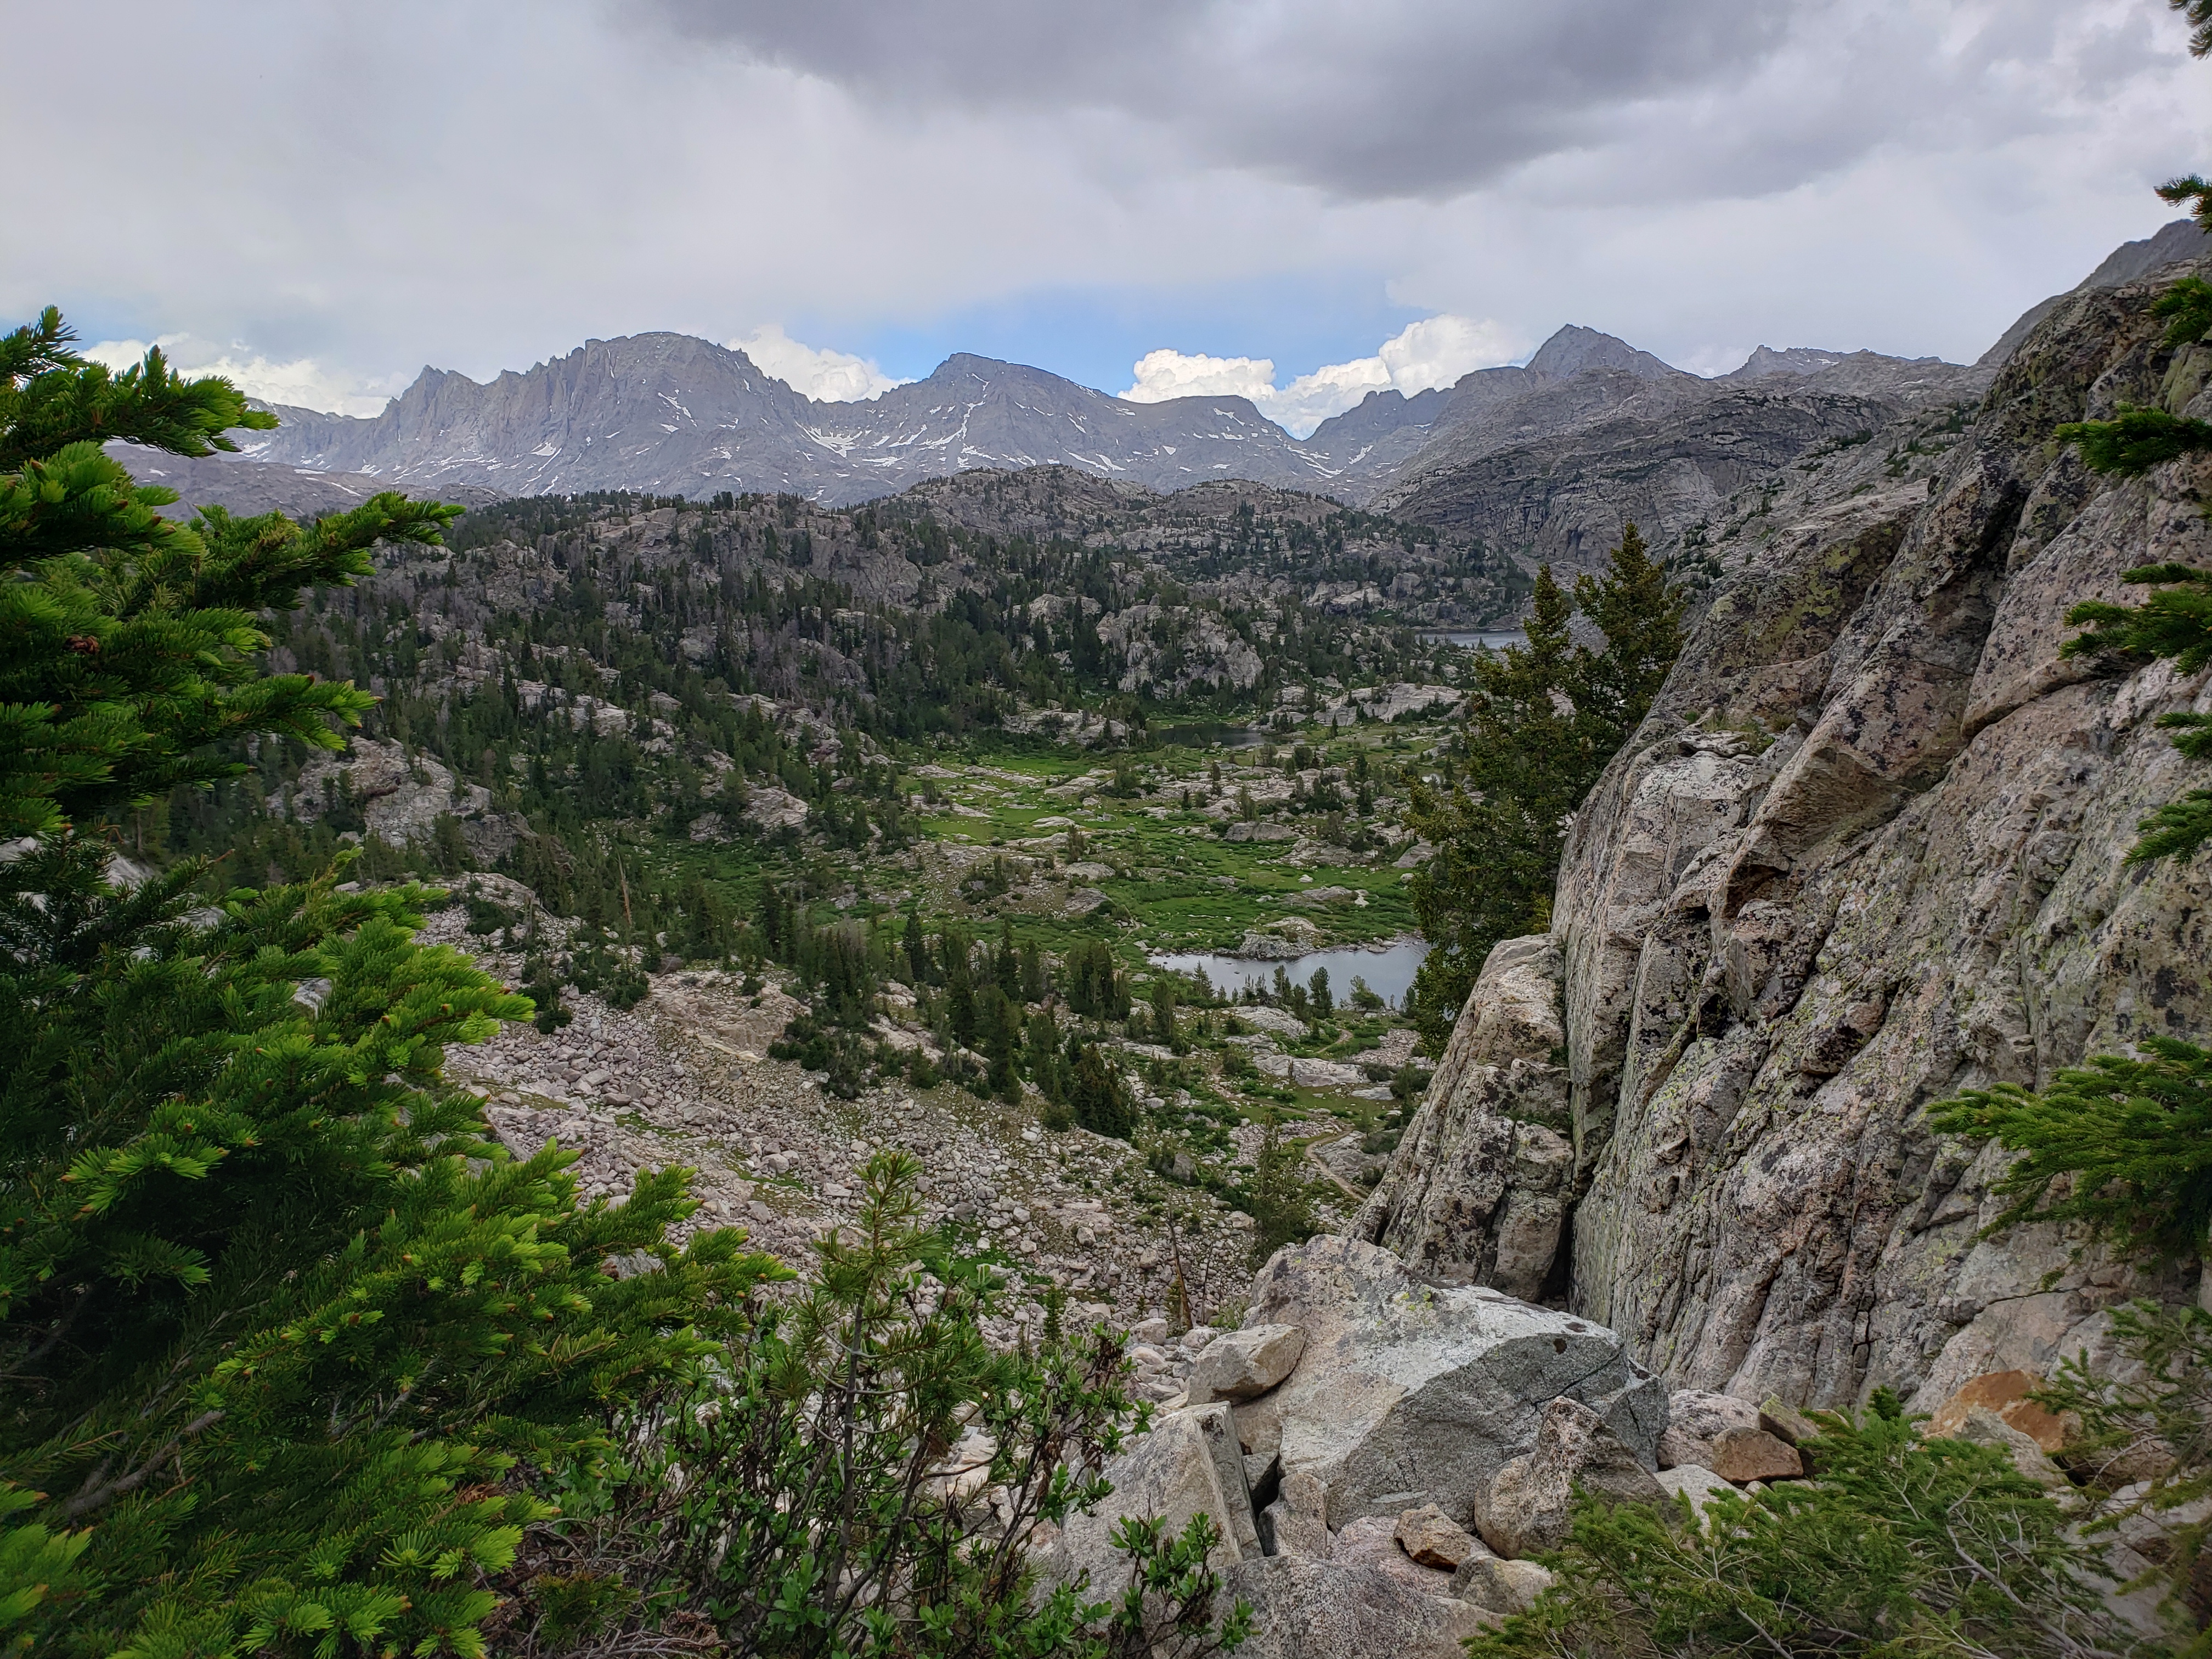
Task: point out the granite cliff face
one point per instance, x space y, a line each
1865 851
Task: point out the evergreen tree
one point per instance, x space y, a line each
2174 623
128 640
1902 1548
294 1350
1280 1199
2121 1143
1163 1001
1096 1096
917 952
1040 1058
1641 618
1543 719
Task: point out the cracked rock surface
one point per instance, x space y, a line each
1864 852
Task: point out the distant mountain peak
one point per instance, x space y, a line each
1790 360
1574 349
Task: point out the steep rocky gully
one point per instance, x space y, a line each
1865 851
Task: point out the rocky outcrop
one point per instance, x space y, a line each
1865 851
1375 1420
378 787
1407 1393
1556 481
2178 240
1478 1192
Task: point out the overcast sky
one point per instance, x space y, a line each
1297 199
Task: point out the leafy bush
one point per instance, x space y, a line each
866 1475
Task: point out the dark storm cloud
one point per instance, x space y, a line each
1431 99
336 195
1422 98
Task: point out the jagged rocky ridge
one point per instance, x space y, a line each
1554 470
666 414
1865 851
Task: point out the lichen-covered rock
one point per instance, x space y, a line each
1866 851
1480 1189
1307 1609
1527 1505
1742 1455
1695 1419
1409 1393
1434 1540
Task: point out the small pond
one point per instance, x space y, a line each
1388 968
1484 639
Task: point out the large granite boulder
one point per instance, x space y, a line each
1696 1418
400 798
1409 1394
1243 1363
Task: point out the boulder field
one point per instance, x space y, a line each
1380 1455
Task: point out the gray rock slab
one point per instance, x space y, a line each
1409 1394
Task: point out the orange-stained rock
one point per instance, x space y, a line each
2005 1393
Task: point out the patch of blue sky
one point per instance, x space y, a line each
1093 335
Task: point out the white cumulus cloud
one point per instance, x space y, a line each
1421 357
824 374
1166 374
303 382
